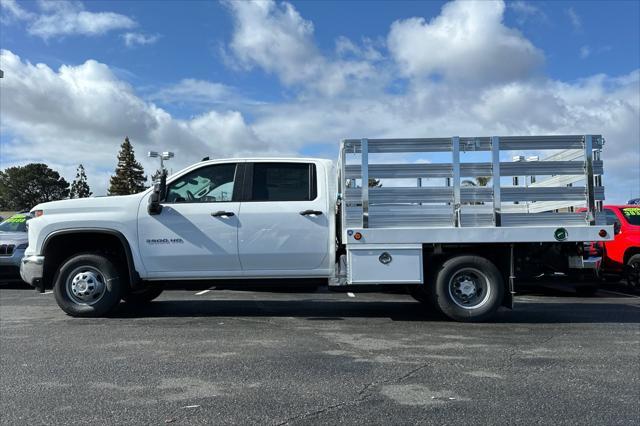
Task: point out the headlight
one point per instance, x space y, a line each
22 246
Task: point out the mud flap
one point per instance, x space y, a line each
509 295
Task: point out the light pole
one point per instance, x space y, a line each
166 155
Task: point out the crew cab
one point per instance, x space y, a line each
459 249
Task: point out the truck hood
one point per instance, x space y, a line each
88 205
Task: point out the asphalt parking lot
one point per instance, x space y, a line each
245 357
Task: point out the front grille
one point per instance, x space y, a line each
7 249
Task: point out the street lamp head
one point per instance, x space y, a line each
152 154
166 155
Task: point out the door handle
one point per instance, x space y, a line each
221 213
309 212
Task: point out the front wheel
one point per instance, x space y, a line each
88 285
467 288
633 271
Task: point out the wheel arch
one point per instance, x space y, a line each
61 244
630 252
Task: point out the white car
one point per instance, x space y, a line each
13 243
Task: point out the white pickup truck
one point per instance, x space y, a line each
458 248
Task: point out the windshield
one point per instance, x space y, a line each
16 223
632 214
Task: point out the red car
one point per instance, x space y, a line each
621 256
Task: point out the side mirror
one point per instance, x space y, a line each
158 195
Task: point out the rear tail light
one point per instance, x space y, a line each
38 213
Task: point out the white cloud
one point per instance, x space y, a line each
526 11
277 39
585 51
62 18
574 18
195 92
467 42
368 51
82 113
139 39
13 11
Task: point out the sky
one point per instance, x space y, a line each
237 78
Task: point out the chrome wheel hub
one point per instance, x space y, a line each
469 288
85 285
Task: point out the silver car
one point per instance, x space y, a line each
13 243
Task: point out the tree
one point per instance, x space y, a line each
129 175
480 181
483 180
22 187
80 187
156 175
374 183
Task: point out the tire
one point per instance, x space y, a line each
633 271
467 288
88 285
145 295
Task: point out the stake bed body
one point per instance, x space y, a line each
458 245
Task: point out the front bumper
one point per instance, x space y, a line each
13 260
31 269
10 266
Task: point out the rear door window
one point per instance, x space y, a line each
283 182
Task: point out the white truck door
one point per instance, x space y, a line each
196 234
284 225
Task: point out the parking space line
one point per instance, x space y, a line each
48 292
351 294
200 293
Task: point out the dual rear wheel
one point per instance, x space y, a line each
463 288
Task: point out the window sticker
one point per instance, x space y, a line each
20 218
631 211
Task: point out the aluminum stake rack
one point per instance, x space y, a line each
455 213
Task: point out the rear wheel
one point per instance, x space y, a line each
144 295
88 285
467 288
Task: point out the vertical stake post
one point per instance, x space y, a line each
588 175
455 151
495 174
364 153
